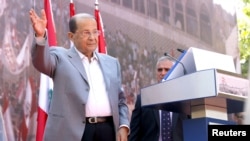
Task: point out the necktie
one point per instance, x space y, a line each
166 126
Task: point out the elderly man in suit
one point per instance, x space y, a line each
146 123
88 103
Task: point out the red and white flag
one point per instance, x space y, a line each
71 14
46 83
8 131
102 42
71 8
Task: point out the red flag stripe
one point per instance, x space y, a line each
71 8
102 43
50 25
41 118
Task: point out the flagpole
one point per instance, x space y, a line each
96 4
71 8
34 4
101 43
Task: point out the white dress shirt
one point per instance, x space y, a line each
98 101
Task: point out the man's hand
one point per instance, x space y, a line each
38 23
122 134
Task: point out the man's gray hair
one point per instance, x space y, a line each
163 58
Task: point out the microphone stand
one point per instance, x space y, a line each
184 69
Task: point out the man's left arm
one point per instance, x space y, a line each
124 130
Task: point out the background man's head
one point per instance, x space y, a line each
163 65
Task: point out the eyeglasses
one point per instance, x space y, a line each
88 34
161 69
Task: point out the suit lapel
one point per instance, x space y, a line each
157 117
77 63
104 68
174 119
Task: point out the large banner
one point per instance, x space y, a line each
137 32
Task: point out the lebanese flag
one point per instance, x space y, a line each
71 8
46 83
71 14
102 43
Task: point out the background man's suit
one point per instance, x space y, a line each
146 127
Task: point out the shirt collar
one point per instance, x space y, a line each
82 56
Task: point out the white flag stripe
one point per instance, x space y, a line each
46 84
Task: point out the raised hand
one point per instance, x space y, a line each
38 23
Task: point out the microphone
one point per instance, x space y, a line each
181 50
184 69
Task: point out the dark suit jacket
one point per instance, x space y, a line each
145 124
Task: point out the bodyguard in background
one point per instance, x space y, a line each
146 123
87 102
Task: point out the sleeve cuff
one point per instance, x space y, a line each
41 41
125 127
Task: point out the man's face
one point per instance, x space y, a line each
162 68
86 36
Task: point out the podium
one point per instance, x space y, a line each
208 94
